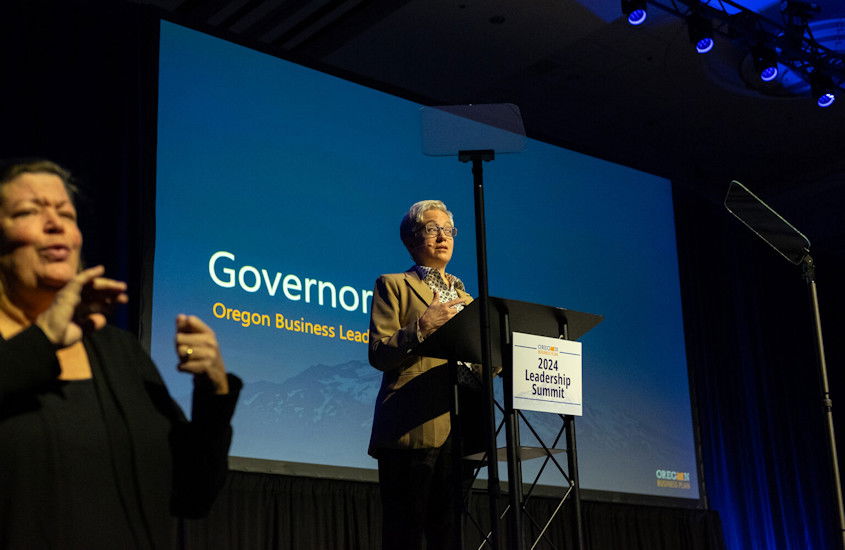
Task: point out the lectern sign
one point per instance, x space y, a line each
546 374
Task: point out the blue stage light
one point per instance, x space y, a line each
637 17
769 73
765 62
825 100
700 32
704 45
822 88
636 10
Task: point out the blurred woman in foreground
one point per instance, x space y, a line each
93 451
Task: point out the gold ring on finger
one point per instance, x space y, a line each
188 352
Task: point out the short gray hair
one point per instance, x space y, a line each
412 220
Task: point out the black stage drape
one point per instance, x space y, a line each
79 87
264 511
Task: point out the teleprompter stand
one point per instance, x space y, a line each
459 340
793 245
476 133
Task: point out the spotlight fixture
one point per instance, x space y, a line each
636 10
822 89
765 62
700 32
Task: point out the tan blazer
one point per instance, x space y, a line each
412 407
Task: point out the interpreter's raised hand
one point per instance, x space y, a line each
80 306
438 313
199 352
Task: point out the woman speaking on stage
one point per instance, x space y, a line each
412 433
94 453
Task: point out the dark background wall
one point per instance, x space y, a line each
79 87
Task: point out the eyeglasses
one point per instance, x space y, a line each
431 230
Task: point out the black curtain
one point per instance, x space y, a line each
79 88
264 511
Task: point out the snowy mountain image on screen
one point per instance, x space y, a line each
322 415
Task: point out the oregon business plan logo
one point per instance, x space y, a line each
672 479
543 349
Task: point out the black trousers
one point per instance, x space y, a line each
420 503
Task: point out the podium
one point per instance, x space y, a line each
458 341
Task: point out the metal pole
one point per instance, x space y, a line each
572 466
827 402
515 533
493 485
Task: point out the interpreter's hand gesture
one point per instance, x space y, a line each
437 314
199 352
80 306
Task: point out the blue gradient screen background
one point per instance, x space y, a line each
296 172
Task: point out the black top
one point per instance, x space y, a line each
105 462
73 409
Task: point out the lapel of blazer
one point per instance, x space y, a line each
465 294
422 290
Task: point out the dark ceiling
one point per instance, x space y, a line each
583 78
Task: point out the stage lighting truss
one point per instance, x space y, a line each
789 42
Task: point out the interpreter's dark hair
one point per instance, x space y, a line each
12 168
